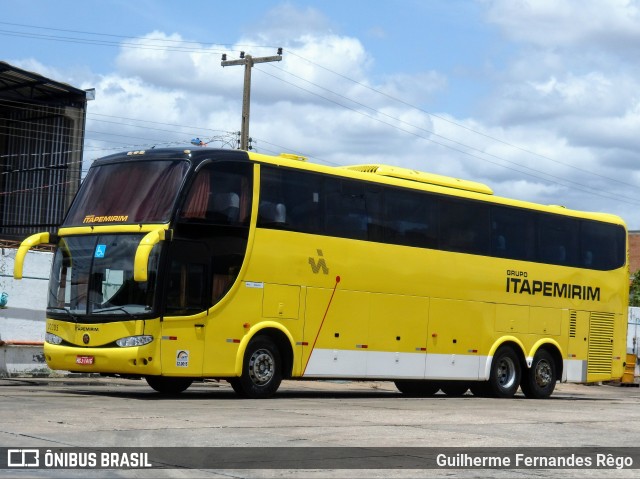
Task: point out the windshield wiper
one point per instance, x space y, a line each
66 310
114 308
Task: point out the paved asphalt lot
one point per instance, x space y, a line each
102 413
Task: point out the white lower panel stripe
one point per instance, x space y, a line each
574 371
338 363
360 364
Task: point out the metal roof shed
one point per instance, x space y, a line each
41 135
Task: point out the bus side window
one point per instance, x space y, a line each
410 218
226 207
602 245
512 233
465 226
558 240
290 200
271 214
350 208
220 194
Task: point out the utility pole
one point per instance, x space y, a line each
248 61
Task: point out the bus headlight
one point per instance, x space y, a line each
52 339
130 341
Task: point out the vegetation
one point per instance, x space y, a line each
634 289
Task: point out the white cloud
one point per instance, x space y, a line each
560 109
567 24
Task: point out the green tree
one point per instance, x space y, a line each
634 290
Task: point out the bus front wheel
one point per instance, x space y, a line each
540 380
166 385
504 379
261 370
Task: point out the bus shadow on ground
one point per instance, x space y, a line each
220 391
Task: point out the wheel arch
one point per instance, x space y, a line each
510 341
279 335
553 348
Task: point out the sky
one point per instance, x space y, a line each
538 99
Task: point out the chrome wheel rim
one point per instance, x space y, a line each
261 367
506 373
543 373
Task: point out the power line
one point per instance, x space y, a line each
165 44
375 90
560 182
177 47
490 137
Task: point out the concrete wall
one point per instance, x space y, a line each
22 321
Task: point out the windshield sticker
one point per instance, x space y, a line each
105 219
101 249
182 359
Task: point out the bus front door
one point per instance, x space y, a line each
185 307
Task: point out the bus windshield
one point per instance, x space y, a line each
128 192
92 276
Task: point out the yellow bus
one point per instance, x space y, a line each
176 265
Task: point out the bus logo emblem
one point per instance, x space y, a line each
320 265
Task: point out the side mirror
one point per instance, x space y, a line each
25 246
141 261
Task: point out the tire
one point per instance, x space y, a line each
418 388
454 388
505 373
167 385
539 381
261 370
236 386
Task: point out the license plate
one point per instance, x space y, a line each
84 360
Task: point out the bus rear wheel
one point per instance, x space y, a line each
166 385
504 379
540 380
418 388
261 370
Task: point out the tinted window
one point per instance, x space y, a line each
411 218
346 209
512 233
187 279
464 226
602 246
313 203
558 240
220 194
291 200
